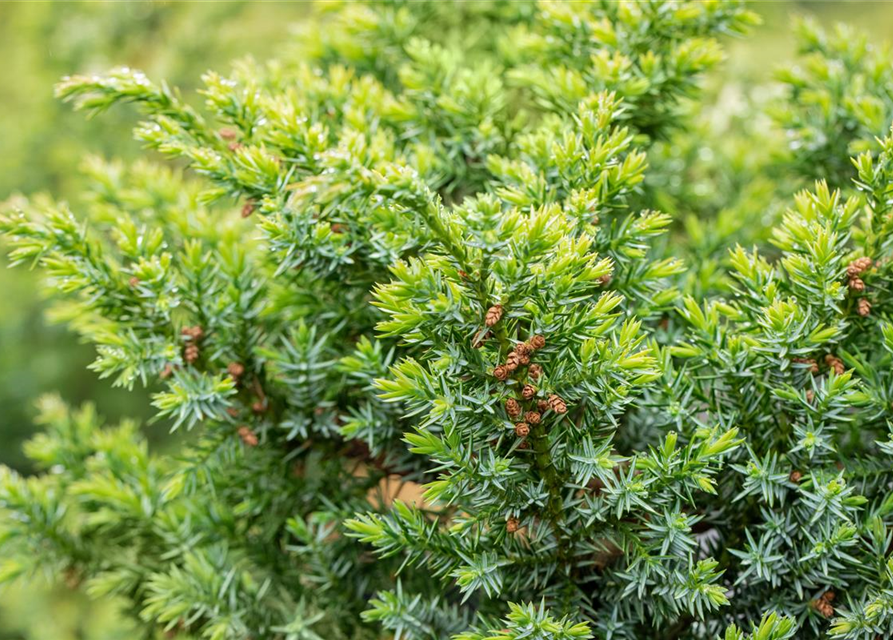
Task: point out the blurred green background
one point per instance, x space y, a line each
43 142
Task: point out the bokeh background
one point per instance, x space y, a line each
43 143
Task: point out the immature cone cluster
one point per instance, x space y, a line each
863 307
494 315
191 353
512 525
557 404
230 136
520 355
248 436
515 360
193 334
236 370
858 266
813 365
835 363
823 604
853 271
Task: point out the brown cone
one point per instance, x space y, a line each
248 436
494 314
557 404
863 307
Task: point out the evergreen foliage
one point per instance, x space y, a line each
838 99
418 250
44 143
